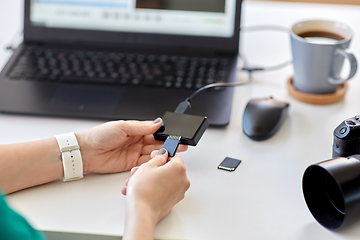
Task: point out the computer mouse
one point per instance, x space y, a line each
263 117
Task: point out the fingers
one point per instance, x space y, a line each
123 191
177 166
133 170
160 159
182 148
140 127
154 153
176 160
147 150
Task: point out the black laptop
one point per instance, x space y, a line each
123 59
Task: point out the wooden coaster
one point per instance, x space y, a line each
318 99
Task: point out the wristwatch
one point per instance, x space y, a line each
71 156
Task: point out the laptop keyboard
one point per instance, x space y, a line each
168 71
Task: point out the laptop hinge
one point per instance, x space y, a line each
133 48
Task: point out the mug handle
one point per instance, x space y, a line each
353 67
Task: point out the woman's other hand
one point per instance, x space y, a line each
119 145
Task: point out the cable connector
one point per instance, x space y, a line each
184 106
252 69
10 48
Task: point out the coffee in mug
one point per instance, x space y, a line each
321 37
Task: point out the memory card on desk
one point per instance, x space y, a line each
229 164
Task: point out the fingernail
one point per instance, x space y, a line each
156 121
162 151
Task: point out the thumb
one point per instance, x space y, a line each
141 127
160 159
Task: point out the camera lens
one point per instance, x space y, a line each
332 191
322 197
334 194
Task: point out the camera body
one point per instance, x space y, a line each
347 138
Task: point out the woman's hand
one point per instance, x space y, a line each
119 146
152 191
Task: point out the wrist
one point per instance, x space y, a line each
142 208
37 163
141 220
83 149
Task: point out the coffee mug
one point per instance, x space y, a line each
319 49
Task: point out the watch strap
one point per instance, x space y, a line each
71 156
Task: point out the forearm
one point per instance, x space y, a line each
29 164
140 222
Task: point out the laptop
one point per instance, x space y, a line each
123 59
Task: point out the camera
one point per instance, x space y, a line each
332 188
347 138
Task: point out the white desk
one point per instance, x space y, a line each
261 200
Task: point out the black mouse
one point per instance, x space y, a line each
263 117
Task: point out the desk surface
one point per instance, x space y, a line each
262 199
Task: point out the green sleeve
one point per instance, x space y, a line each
15 227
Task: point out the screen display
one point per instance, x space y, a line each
214 18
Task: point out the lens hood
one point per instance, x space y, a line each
332 191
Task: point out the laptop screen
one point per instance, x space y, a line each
209 18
